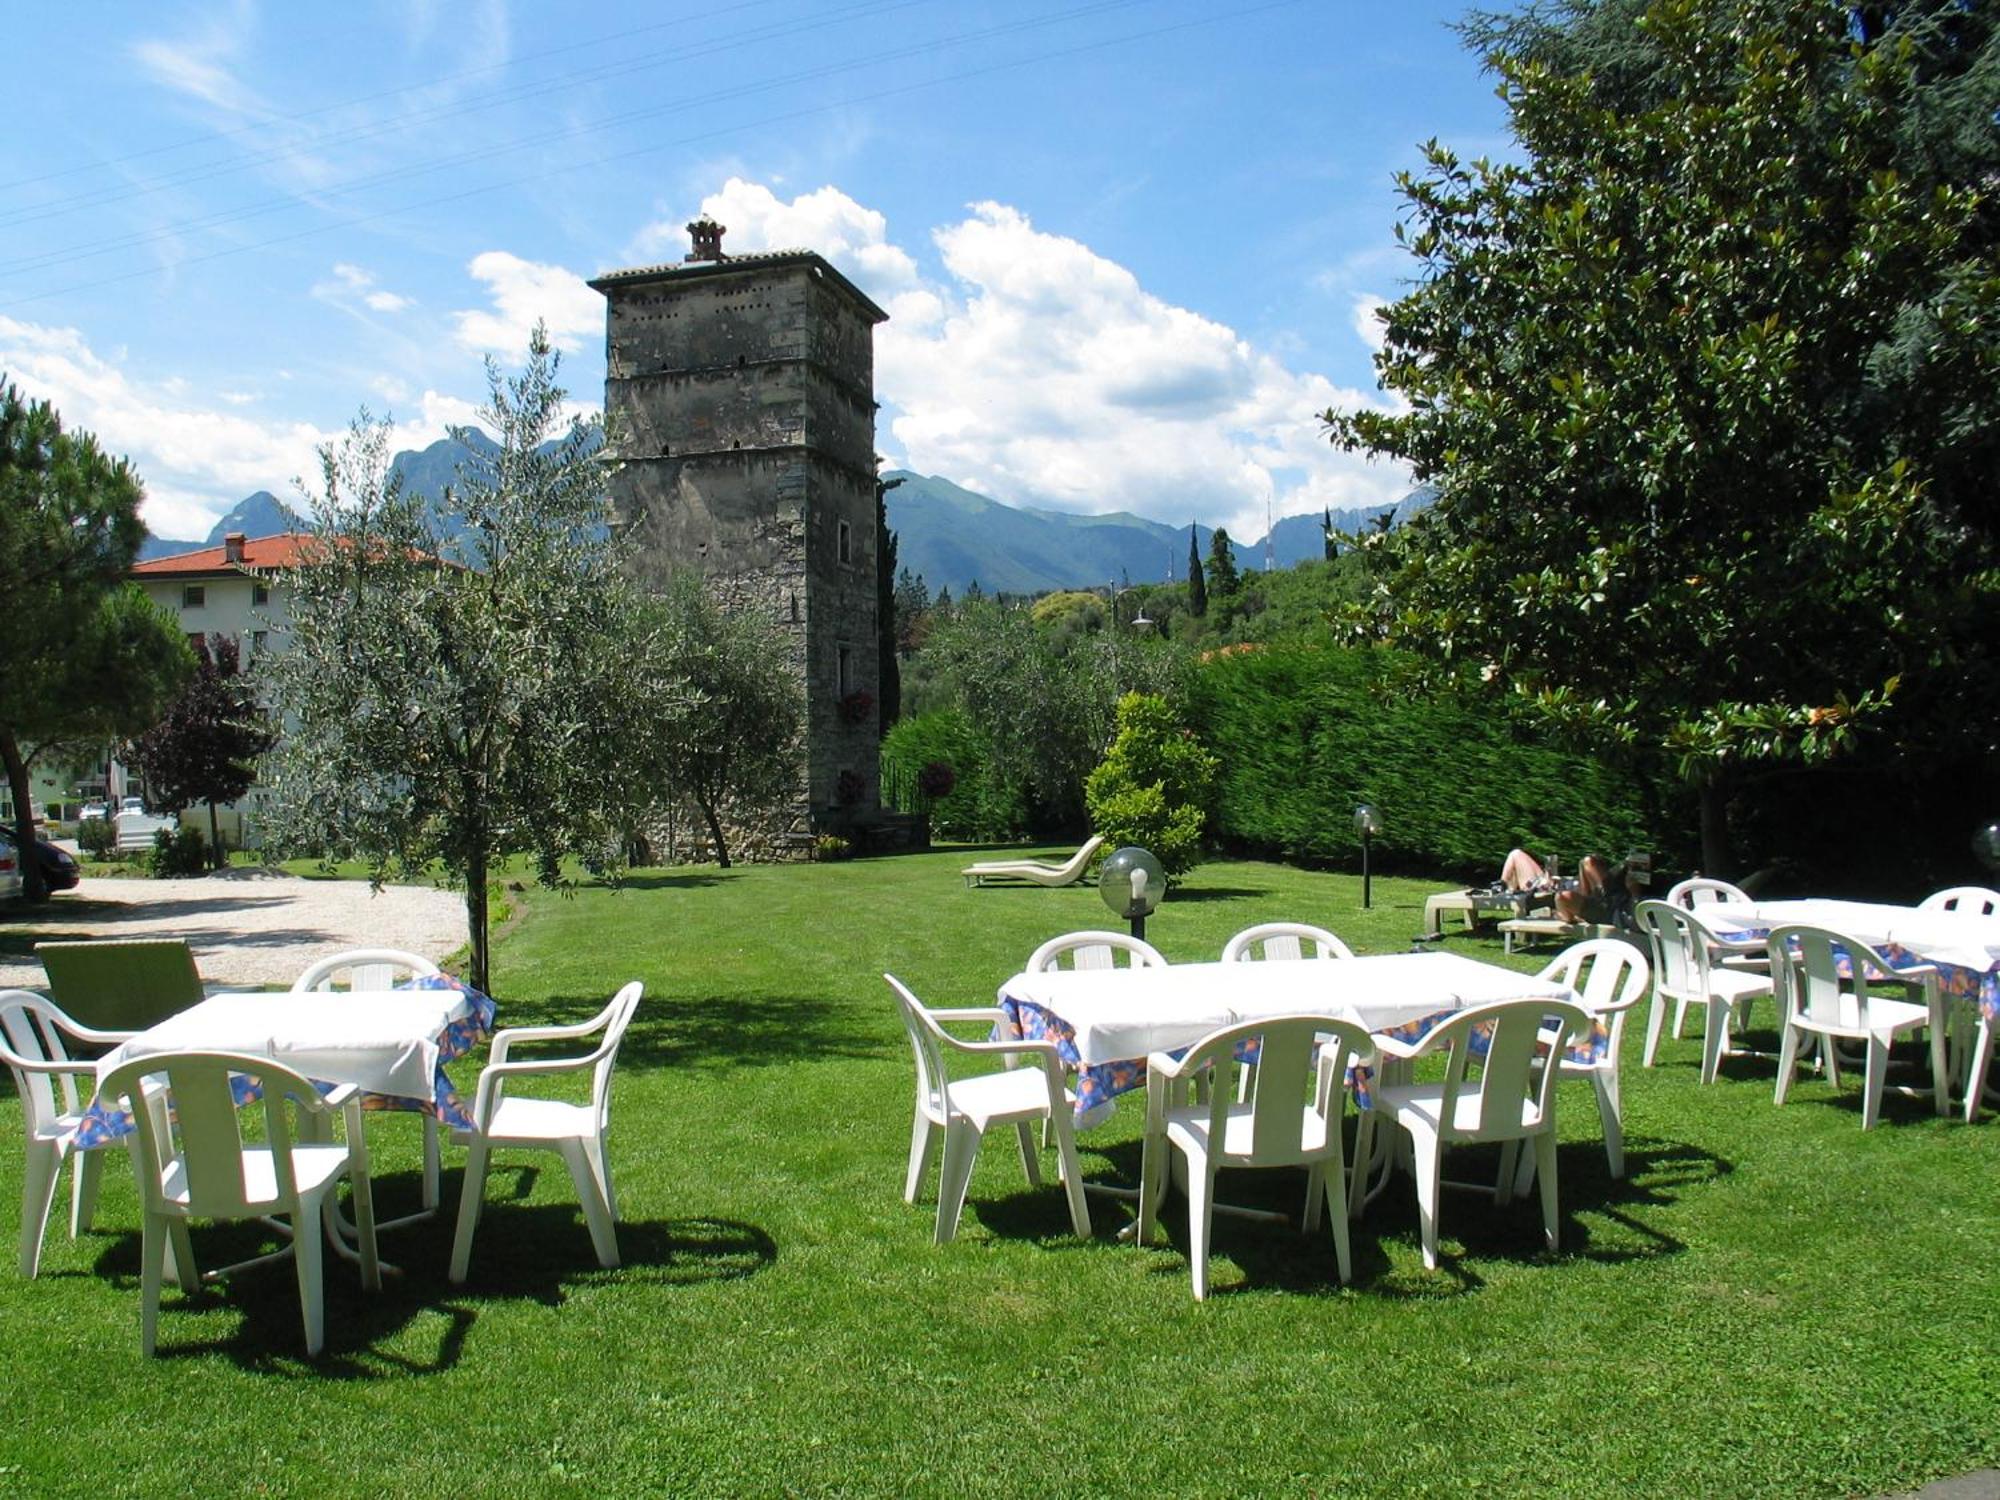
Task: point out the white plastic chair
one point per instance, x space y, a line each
1690 894
1973 900
1684 973
197 1165
1609 977
1292 1118
1283 940
33 1034
1094 950
1817 1000
379 969
577 1131
1511 1100
964 1108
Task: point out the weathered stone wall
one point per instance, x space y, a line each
741 402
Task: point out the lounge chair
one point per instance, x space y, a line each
121 984
1033 870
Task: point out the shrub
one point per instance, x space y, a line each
831 846
1154 786
178 851
1306 733
97 837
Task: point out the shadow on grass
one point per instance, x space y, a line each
1603 1219
538 1253
675 879
1181 894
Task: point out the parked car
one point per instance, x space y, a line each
132 806
59 867
92 810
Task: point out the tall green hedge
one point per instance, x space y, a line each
1307 733
979 805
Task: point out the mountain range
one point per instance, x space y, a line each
949 535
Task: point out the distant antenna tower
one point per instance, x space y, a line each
1270 552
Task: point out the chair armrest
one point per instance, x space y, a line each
1403 1051
91 1034
1166 1066
1015 1047
970 1013
14 1059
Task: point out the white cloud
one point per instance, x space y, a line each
351 283
1367 326
195 462
1052 377
523 292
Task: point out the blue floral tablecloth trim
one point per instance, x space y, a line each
1980 987
1099 1084
102 1122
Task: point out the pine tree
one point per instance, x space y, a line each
1222 579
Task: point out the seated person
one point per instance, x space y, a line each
1589 898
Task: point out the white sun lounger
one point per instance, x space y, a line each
1033 870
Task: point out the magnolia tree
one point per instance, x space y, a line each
1698 374
457 702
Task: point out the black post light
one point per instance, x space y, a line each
1367 823
1131 881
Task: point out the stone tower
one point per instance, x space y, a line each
740 394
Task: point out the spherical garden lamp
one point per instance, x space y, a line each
1367 823
1132 883
1986 844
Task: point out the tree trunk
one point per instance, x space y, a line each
1715 860
475 920
715 832
33 887
215 859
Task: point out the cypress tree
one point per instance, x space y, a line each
1197 585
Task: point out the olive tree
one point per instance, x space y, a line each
458 709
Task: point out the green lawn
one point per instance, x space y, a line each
1772 1303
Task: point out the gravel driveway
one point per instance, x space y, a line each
247 926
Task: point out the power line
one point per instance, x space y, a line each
432 203
90 250
324 109
535 89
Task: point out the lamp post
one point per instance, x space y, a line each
1132 882
1367 823
1138 622
1986 844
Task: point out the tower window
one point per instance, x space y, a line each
846 667
846 543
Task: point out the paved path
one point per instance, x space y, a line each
247 926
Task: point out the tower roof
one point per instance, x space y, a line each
737 265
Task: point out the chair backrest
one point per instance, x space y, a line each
1608 975
1302 1063
1680 947
1492 1050
1283 940
1699 892
363 969
1975 900
617 1016
200 1141
1072 868
126 984
925 1046
1094 950
1806 964
29 1032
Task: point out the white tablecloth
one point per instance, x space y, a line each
1946 937
1129 1013
386 1041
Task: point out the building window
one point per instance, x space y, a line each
193 596
260 594
846 543
258 640
846 660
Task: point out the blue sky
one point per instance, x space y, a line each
1127 245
